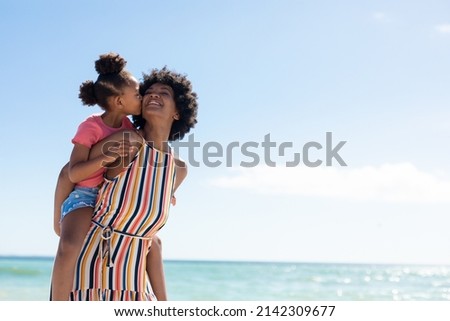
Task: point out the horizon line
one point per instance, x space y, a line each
48 257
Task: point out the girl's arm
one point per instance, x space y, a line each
83 163
122 145
64 185
80 166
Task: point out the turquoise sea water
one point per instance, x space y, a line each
25 278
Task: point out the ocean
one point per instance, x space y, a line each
28 279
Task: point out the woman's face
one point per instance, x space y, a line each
159 101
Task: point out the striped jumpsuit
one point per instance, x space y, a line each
130 209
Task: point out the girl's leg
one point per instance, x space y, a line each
155 269
74 228
63 189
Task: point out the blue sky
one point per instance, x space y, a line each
374 74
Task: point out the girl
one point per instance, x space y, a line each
115 91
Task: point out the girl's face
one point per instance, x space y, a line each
131 99
159 100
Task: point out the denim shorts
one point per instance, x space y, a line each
80 197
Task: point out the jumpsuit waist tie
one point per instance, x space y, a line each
105 244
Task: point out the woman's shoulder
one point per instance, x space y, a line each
135 135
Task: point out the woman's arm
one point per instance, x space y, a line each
181 168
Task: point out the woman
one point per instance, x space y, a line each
133 202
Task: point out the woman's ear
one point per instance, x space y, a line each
176 116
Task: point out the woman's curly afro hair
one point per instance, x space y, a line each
185 100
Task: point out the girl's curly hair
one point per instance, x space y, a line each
112 77
185 100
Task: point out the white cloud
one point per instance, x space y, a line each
389 182
443 28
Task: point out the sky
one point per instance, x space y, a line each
323 126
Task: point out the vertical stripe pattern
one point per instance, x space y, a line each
135 204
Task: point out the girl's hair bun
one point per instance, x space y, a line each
110 63
87 93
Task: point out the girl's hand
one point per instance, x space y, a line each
173 201
119 149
